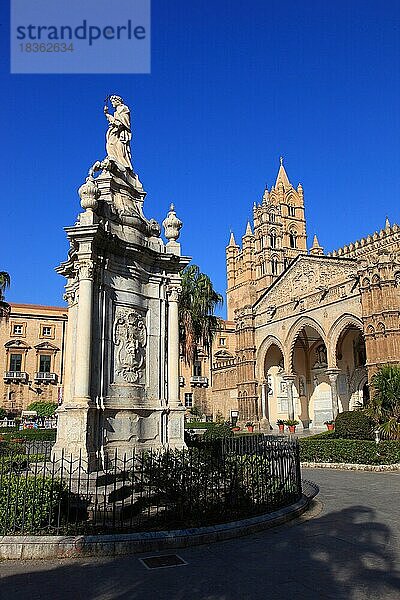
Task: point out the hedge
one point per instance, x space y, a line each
28 504
363 452
30 434
198 425
353 424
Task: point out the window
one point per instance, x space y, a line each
272 217
197 368
189 400
274 266
222 341
273 240
46 330
15 362
44 363
292 239
18 329
292 211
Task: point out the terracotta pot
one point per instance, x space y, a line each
330 426
281 428
292 428
250 428
235 428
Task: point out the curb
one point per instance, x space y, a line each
351 467
50 547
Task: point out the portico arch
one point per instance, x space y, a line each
348 360
336 330
294 333
266 344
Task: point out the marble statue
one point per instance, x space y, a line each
119 133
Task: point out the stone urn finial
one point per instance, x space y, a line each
89 194
172 225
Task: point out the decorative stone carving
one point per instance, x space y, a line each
173 292
130 338
172 225
85 269
89 194
69 297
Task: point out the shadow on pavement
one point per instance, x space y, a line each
344 554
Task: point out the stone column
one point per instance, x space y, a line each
265 424
173 292
289 379
84 331
333 375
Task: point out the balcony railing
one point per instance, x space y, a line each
42 376
16 375
199 380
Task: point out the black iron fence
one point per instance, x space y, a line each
147 490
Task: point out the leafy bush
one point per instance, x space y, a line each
29 504
384 404
353 424
363 452
3 413
43 409
218 431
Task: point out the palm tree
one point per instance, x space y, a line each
4 284
197 322
384 406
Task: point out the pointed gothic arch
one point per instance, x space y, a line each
337 329
294 333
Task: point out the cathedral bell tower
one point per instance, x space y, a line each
278 236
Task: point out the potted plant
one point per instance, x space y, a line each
250 426
330 425
281 425
291 423
236 428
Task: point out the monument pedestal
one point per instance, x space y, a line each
121 388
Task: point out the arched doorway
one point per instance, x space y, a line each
352 381
311 388
273 393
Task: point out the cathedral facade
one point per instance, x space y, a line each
306 330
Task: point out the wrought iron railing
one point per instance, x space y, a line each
146 490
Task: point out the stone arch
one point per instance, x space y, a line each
335 332
293 334
265 345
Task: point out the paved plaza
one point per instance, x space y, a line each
346 547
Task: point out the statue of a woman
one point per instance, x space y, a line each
119 133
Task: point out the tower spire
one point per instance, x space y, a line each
282 176
316 249
232 241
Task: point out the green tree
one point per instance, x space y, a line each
4 284
384 405
43 409
197 304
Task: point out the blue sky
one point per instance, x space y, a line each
231 89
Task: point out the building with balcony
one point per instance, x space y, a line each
32 342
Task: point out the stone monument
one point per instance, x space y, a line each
122 352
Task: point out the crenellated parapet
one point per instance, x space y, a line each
387 239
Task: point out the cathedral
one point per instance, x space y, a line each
305 330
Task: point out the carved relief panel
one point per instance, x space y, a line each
130 339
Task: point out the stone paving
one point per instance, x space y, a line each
347 547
